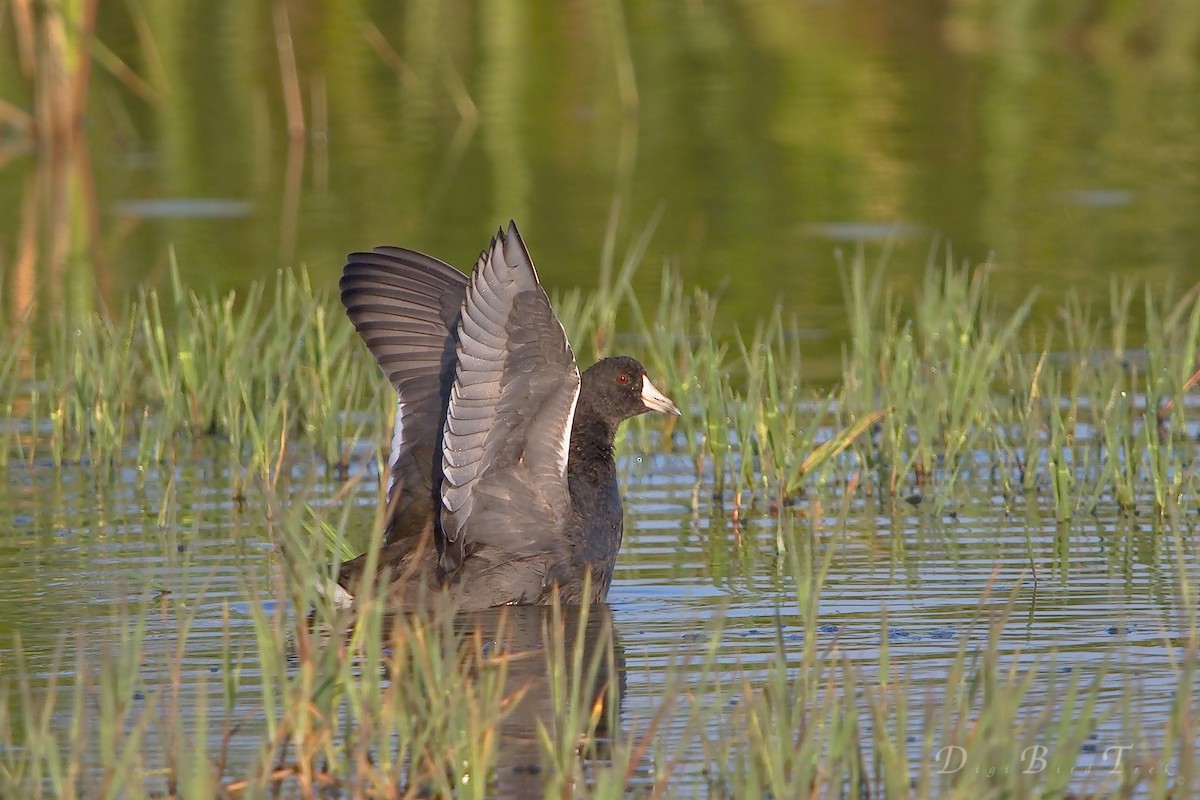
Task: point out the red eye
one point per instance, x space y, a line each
623 379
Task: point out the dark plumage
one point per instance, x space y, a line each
502 485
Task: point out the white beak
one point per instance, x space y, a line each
655 400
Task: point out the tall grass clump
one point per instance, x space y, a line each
938 389
931 374
260 372
1058 409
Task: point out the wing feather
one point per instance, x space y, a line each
406 306
508 422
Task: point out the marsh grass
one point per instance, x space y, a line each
260 374
308 700
941 391
937 388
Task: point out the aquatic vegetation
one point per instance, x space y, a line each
941 394
430 704
937 390
257 373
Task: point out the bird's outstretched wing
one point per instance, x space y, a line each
508 422
406 306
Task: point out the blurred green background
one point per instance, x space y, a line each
1060 138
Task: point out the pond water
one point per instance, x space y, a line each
76 551
757 139
767 135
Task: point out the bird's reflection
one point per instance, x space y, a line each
557 659
562 671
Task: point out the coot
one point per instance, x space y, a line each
503 488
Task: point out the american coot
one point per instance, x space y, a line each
503 486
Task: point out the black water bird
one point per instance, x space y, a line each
503 489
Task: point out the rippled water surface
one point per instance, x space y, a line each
74 547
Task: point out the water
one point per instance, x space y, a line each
770 135
77 553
